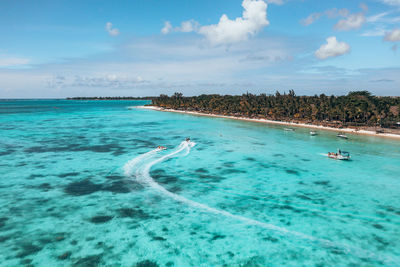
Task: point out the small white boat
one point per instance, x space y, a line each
340 155
312 133
342 135
161 148
288 129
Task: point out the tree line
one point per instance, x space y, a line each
358 108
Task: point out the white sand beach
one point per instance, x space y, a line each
294 124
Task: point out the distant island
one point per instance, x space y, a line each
356 110
111 98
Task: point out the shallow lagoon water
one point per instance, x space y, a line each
77 188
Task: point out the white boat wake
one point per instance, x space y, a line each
130 165
142 174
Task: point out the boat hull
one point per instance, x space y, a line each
339 157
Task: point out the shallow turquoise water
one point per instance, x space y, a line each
80 186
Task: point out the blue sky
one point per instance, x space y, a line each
146 47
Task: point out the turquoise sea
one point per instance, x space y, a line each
82 184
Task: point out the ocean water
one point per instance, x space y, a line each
82 184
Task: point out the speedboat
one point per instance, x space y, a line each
161 148
312 133
288 129
342 135
340 155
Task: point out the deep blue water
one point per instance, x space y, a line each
81 184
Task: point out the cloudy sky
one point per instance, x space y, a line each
147 47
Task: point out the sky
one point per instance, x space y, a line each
66 48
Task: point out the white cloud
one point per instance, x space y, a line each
334 12
112 77
276 2
229 31
392 36
376 17
311 19
188 26
111 31
13 61
151 63
384 18
392 2
364 7
349 21
374 32
352 22
380 23
232 31
332 48
94 80
167 28
330 13
139 79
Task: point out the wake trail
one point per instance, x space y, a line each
133 162
143 175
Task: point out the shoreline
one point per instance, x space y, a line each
303 125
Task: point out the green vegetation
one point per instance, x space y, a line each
355 109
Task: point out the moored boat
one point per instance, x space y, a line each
288 129
341 135
340 155
313 133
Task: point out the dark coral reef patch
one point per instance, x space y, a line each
81 188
